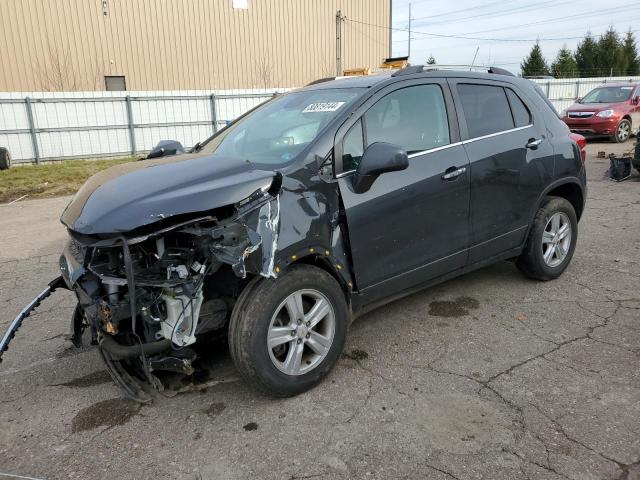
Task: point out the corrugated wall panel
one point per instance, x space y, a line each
184 44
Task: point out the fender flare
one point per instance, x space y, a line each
552 186
332 260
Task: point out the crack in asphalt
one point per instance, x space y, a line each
518 409
624 467
547 467
444 472
559 345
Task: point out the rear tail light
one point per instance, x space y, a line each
582 144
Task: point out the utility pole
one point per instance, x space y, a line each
339 19
474 57
409 47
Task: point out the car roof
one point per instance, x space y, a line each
365 81
368 81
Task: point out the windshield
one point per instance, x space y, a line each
608 95
278 131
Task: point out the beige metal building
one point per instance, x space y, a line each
67 45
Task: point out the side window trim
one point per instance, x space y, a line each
450 108
495 134
417 154
434 149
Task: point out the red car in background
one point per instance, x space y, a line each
611 110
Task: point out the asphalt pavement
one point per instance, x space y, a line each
488 376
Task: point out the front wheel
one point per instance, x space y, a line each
552 240
287 333
623 132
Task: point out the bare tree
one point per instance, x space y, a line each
325 65
57 72
264 72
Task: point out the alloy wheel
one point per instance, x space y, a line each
556 239
624 130
301 332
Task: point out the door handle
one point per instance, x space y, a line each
534 143
453 173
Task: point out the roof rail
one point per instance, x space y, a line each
486 68
424 68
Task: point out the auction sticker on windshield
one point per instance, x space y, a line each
323 107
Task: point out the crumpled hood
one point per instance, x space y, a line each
131 195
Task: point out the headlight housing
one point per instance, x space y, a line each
605 114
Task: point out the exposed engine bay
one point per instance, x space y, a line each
155 301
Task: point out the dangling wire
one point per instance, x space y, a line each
131 285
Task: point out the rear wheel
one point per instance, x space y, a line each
623 132
552 240
287 333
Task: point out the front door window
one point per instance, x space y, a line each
414 118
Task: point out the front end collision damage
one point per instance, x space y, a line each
158 297
153 296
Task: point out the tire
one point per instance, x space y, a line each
261 309
5 159
532 260
623 131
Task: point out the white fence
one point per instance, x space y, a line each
52 126
564 91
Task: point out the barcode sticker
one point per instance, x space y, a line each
323 107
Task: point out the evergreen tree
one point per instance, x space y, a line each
586 55
431 60
630 55
610 56
535 63
564 66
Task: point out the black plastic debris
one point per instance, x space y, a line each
619 168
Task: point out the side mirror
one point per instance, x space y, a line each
579 100
635 100
378 158
166 148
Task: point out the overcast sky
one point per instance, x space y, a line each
550 20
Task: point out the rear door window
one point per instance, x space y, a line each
521 114
486 109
